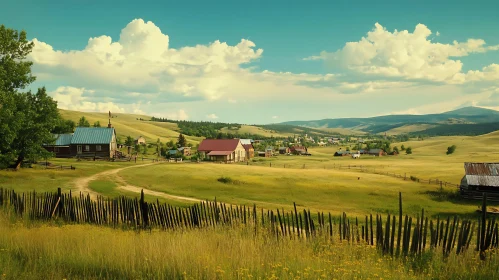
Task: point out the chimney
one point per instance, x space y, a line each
109 125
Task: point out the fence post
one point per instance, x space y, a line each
441 187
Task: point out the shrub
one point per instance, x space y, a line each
225 180
451 149
415 179
408 150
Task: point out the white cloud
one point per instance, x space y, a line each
407 55
275 117
142 61
71 98
212 116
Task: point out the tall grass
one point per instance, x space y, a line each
49 251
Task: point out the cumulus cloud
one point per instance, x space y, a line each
140 73
408 55
142 62
212 116
75 99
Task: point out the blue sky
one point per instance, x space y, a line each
296 62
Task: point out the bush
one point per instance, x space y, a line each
451 149
408 151
415 179
229 180
225 180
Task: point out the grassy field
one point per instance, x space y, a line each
408 128
49 251
128 125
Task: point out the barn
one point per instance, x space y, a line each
482 177
222 150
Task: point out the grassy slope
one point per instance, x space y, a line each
408 129
255 130
128 125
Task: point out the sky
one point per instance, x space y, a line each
263 62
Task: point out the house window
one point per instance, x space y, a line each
87 148
98 148
56 149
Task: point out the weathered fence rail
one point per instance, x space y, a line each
397 235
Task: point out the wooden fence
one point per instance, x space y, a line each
396 236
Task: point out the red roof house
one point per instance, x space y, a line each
222 150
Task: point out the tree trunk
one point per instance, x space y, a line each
18 163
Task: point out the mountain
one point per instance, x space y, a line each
464 117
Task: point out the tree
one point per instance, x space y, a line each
396 149
181 141
451 149
170 144
129 141
83 122
408 150
144 149
97 124
64 126
26 119
402 148
37 116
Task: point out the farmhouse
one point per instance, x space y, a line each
250 151
61 146
482 177
93 141
222 150
140 140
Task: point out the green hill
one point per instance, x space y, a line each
464 121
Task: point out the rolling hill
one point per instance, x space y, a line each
463 121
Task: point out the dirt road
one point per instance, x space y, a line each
81 184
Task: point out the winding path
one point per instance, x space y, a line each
81 184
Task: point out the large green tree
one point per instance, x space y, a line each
26 119
83 122
182 142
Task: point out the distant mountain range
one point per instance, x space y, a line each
464 121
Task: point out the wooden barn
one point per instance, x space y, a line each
298 150
480 177
222 150
61 146
93 141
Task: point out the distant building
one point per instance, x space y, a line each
140 141
284 150
269 151
342 153
375 152
222 150
185 151
298 150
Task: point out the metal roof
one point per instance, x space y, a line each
482 174
246 141
488 169
482 180
63 139
92 135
